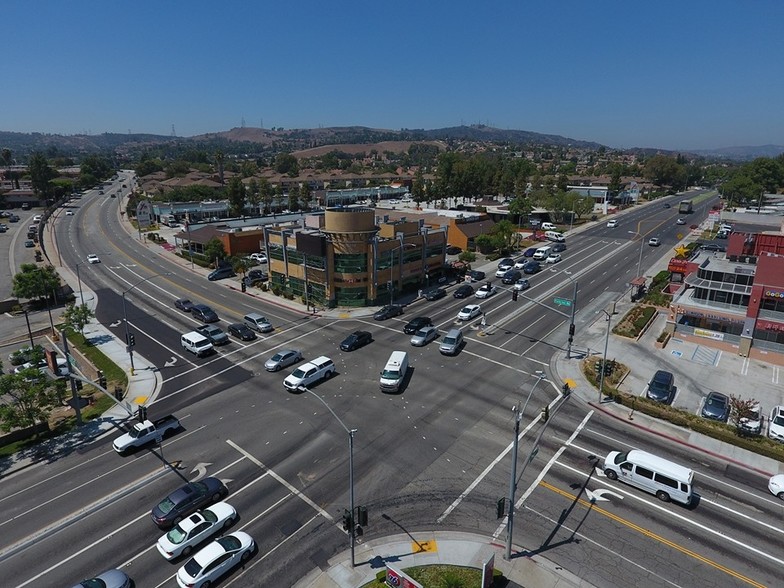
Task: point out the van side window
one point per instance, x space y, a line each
665 481
626 466
644 473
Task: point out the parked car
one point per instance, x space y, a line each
435 293
108 579
521 284
486 291
283 358
712 247
532 268
93 258
661 388
220 274
356 340
195 529
511 276
463 291
387 312
183 304
424 336
476 275
255 276
752 423
216 559
776 423
553 258
654 242
453 250
417 323
187 499
204 313
469 312
716 407
242 331
529 252
259 257
214 333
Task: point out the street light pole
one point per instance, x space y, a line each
604 357
571 322
351 432
639 261
513 479
79 280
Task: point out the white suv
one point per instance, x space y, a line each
309 373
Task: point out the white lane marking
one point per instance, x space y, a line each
684 519
104 538
486 471
544 471
291 488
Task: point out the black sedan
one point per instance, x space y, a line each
476 275
255 277
416 323
387 312
463 291
183 304
242 331
356 340
558 247
435 293
186 500
204 313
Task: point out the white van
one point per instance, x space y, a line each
548 227
394 372
664 478
542 253
554 236
196 343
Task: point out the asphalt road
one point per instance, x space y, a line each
435 455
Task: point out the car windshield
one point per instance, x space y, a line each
390 374
176 535
467 310
299 373
229 543
193 567
277 357
166 506
449 340
779 420
422 333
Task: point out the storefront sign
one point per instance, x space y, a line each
773 294
679 266
709 334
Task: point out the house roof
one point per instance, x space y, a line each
472 230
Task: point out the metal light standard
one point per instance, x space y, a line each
604 357
129 340
513 479
351 530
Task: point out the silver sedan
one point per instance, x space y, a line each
424 336
282 358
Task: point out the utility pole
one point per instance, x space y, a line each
74 393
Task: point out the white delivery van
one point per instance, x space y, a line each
659 476
196 343
554 236
542 253
394 372
548 227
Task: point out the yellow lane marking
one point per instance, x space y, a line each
654 536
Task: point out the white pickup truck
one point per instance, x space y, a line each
146 432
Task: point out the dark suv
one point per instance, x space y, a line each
204 313
661 387
716 407
463 291
511 276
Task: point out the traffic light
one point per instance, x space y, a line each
607 368
546 413
514 295
101 379
597 366
362 516
500 508
566 390
347 522
131 340
78 384
142 414
243 286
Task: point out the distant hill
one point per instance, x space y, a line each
742 153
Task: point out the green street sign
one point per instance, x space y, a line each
562 301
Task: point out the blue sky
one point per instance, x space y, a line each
667 74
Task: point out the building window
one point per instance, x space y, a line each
351 296
351 263
295 257
276 251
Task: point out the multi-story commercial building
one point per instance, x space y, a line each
351 257
735 301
